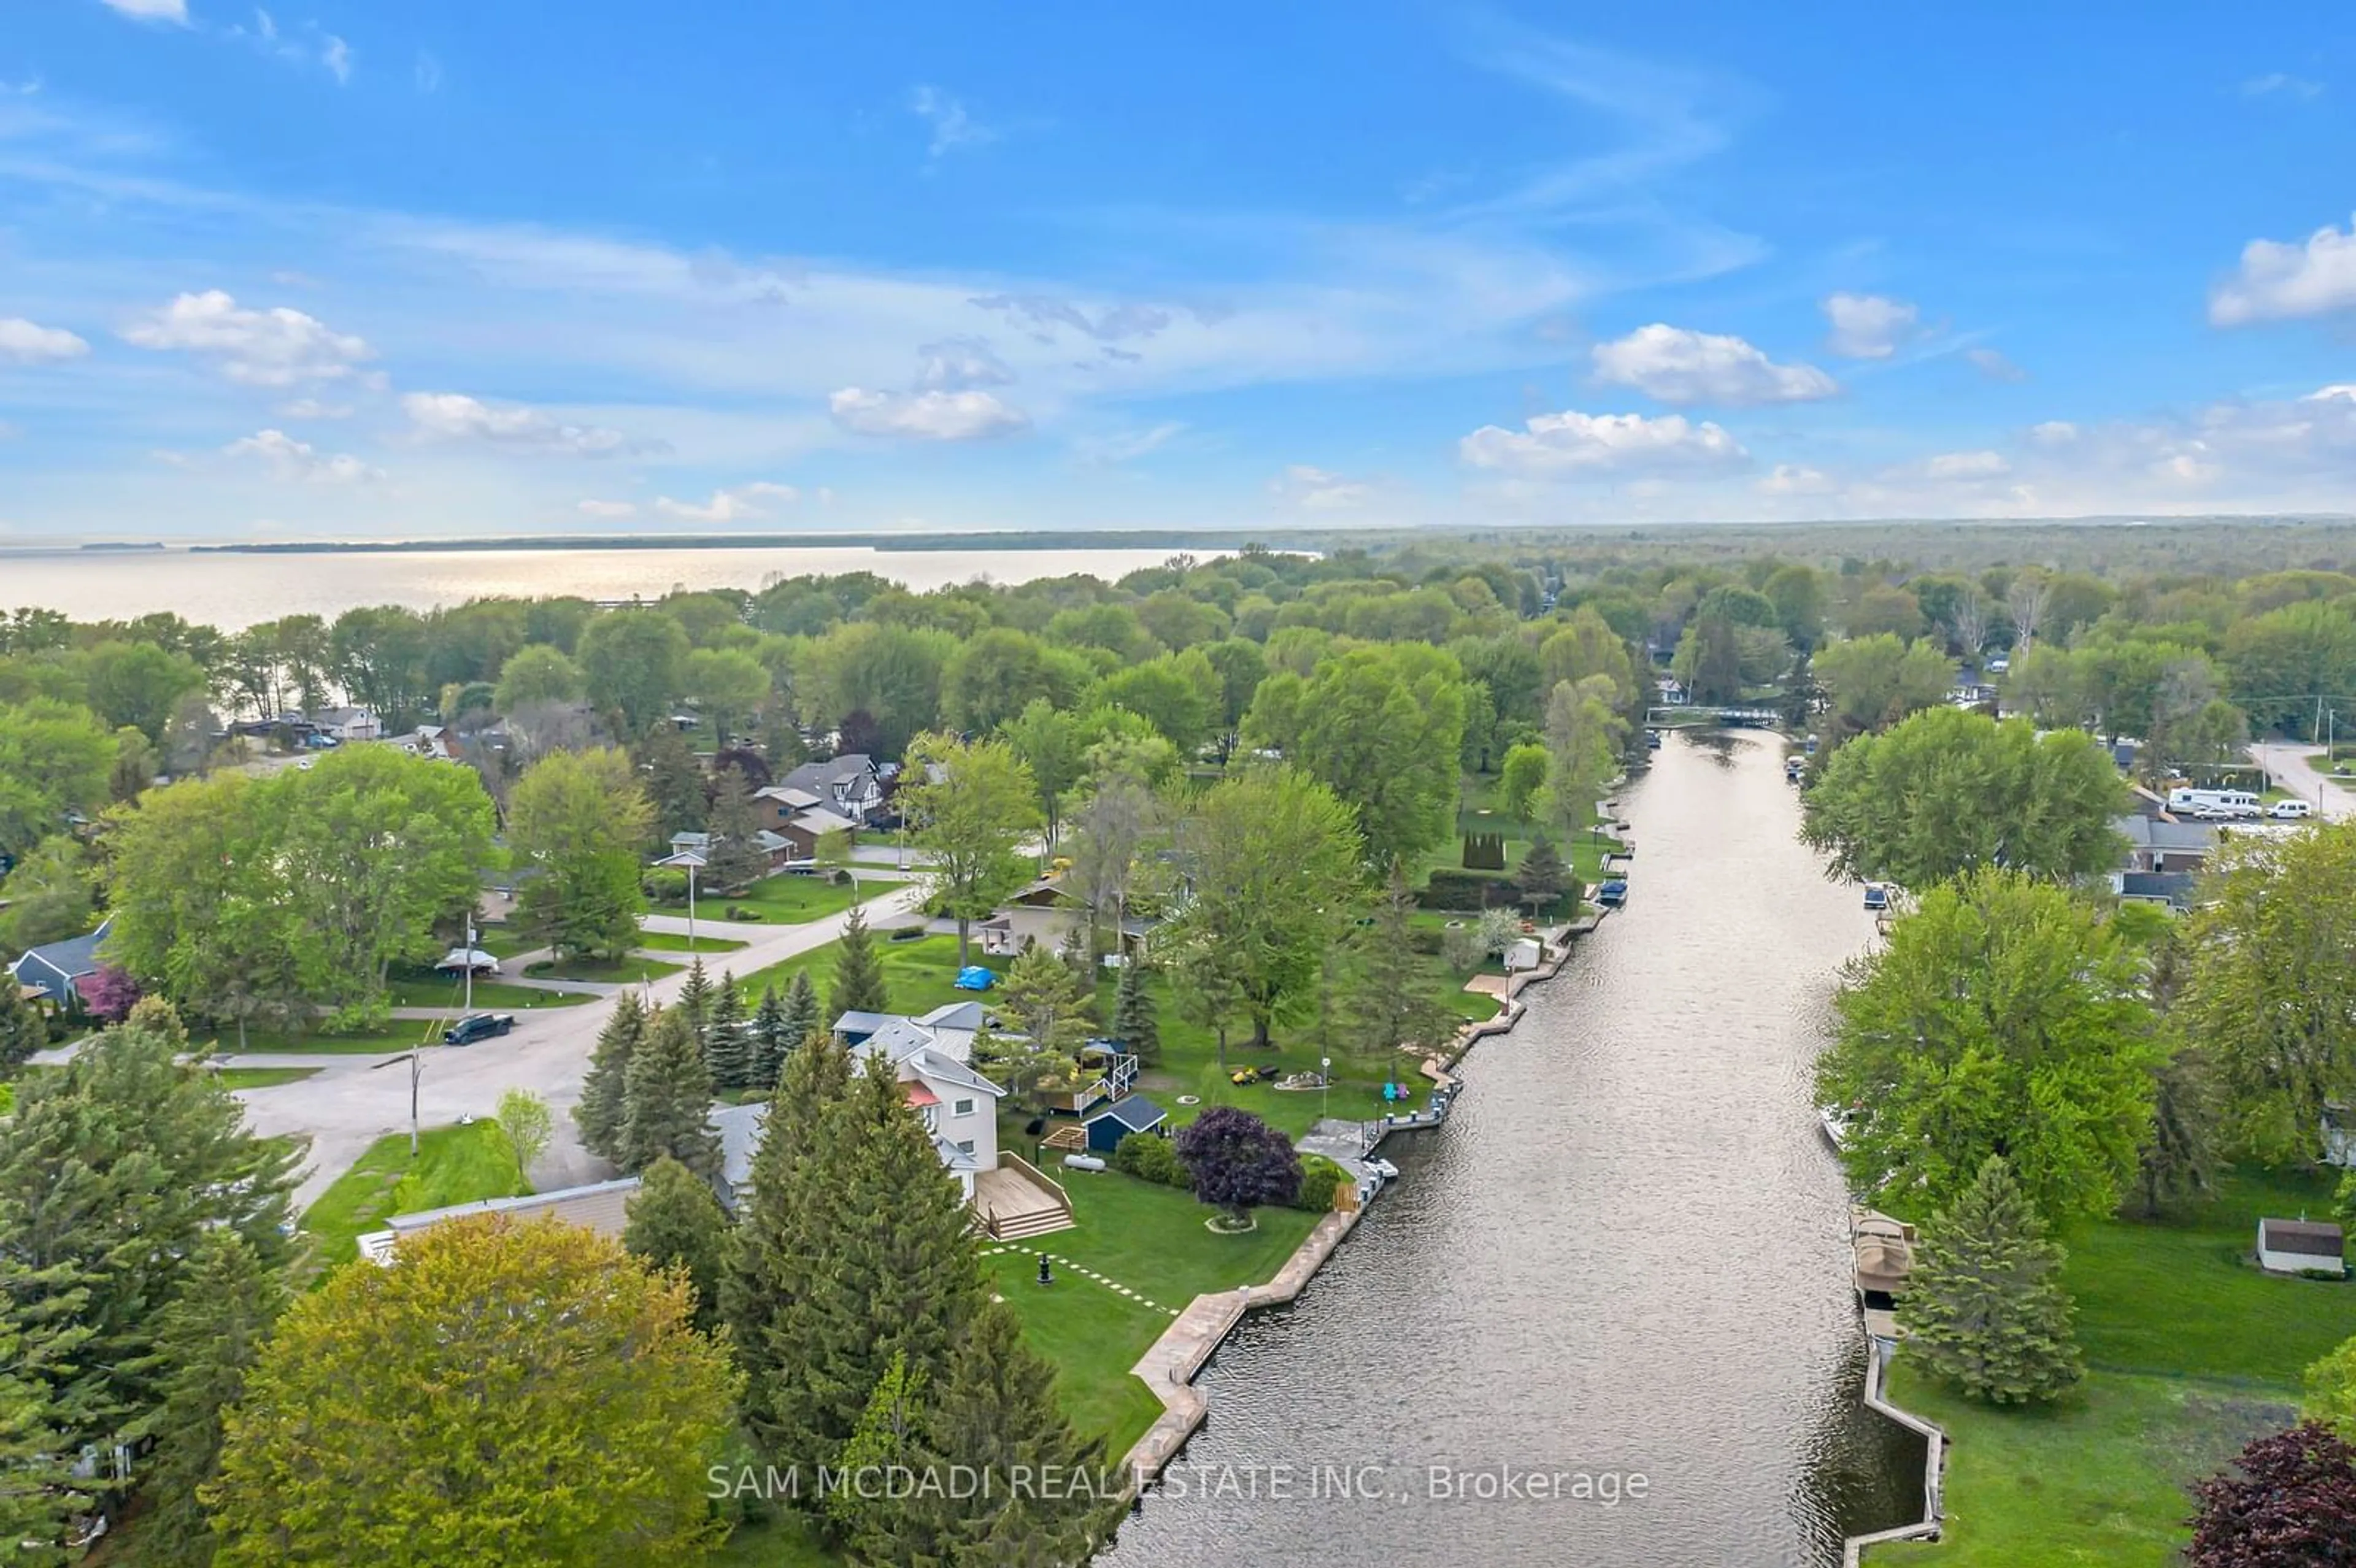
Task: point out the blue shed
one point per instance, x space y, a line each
1109 1124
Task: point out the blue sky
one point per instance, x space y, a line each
442 268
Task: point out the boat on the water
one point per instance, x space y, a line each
1885 1256
1838 1121
1613 893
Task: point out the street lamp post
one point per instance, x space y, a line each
690 862
1324 1087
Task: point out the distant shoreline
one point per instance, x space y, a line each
884 544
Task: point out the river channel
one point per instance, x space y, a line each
1624 1257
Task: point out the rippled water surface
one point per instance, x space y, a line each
1626 1252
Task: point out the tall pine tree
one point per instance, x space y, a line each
737 860
858 973
694 1001
670 1101
1983 1306
604 1108
1133 1021
210 1338
802 1010
675 1223
728 1036
41 1347
772 1040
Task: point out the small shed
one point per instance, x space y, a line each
1132 1113
2301 1246
1523 953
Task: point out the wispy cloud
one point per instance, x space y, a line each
2275 84
150 10
426 73
953 125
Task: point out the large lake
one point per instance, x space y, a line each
1626 1252
230 591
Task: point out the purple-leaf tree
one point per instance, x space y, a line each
1238 1161
2292 1503
109 993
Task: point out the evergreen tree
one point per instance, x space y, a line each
2181 1160
1041 994
41 1348
803 1013
1133 1021
22 1032
1542 879
1383 1006
604 1110
736 858
875 1529
728 1038
790 1203
675 1223
210 1338
694 1002
674 782
772 1039
1983 1306
670 1101
858 973
995 1413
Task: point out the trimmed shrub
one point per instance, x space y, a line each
1484 851
664 884
1319 1177
1453 889
1149 1157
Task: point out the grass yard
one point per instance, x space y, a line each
918 975
676 941
628 971
260 1077
1479 811
2190 1352
504 940
398 1035
791 898
436 991
454 1165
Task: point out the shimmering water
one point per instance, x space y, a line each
1626 1252
233 590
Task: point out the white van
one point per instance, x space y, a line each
2289 810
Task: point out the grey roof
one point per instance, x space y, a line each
954 1015
856 1022
739 1128
952 1156
1134 1111
2176 887
67 960
2151 833
826 775
2308 1238
526 1204
933 1064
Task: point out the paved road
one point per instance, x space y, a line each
2290 766
353 1101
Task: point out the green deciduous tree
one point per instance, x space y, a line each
727 686
675 1223
48 896
1948 790
22 1030
2004 1018
1983 1306
592 1412
2269 991
603 1109
668 1095
54 759
970 804
1383 729
535 675
1273 857
524 1120
1520 777
581 821
634 666
675 782
1875 681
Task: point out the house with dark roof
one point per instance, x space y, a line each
2164 844
2172 889
1107 1124
56 968
849 785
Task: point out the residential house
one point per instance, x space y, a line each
431 742
1037 913
2170 889
58 969
602 1206
849 785
800 818
2162 844
933 1056
341 724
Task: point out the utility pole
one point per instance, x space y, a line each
470 966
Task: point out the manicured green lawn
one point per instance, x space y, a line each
1480 812
628 972
261 1077
505 941
918 975
789 898
676 941
2190 1352
454 1165
397 1035
498 994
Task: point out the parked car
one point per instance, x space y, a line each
2291 810
1875 896
477 1026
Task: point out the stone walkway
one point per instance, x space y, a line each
1069 1265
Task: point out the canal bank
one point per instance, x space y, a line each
1624 1265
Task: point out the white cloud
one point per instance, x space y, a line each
2052 432
150 10
2338 391
1988 362
337 56
24 342
609 508
2277 281
1573 444
955 364
925 416
952 126
313 409
739 504
1679 366
290 459
1796 479
1868 326
1321 489
277 348
426 74
2276 84
1980 465
454 416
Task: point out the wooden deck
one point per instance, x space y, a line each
1014 1201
